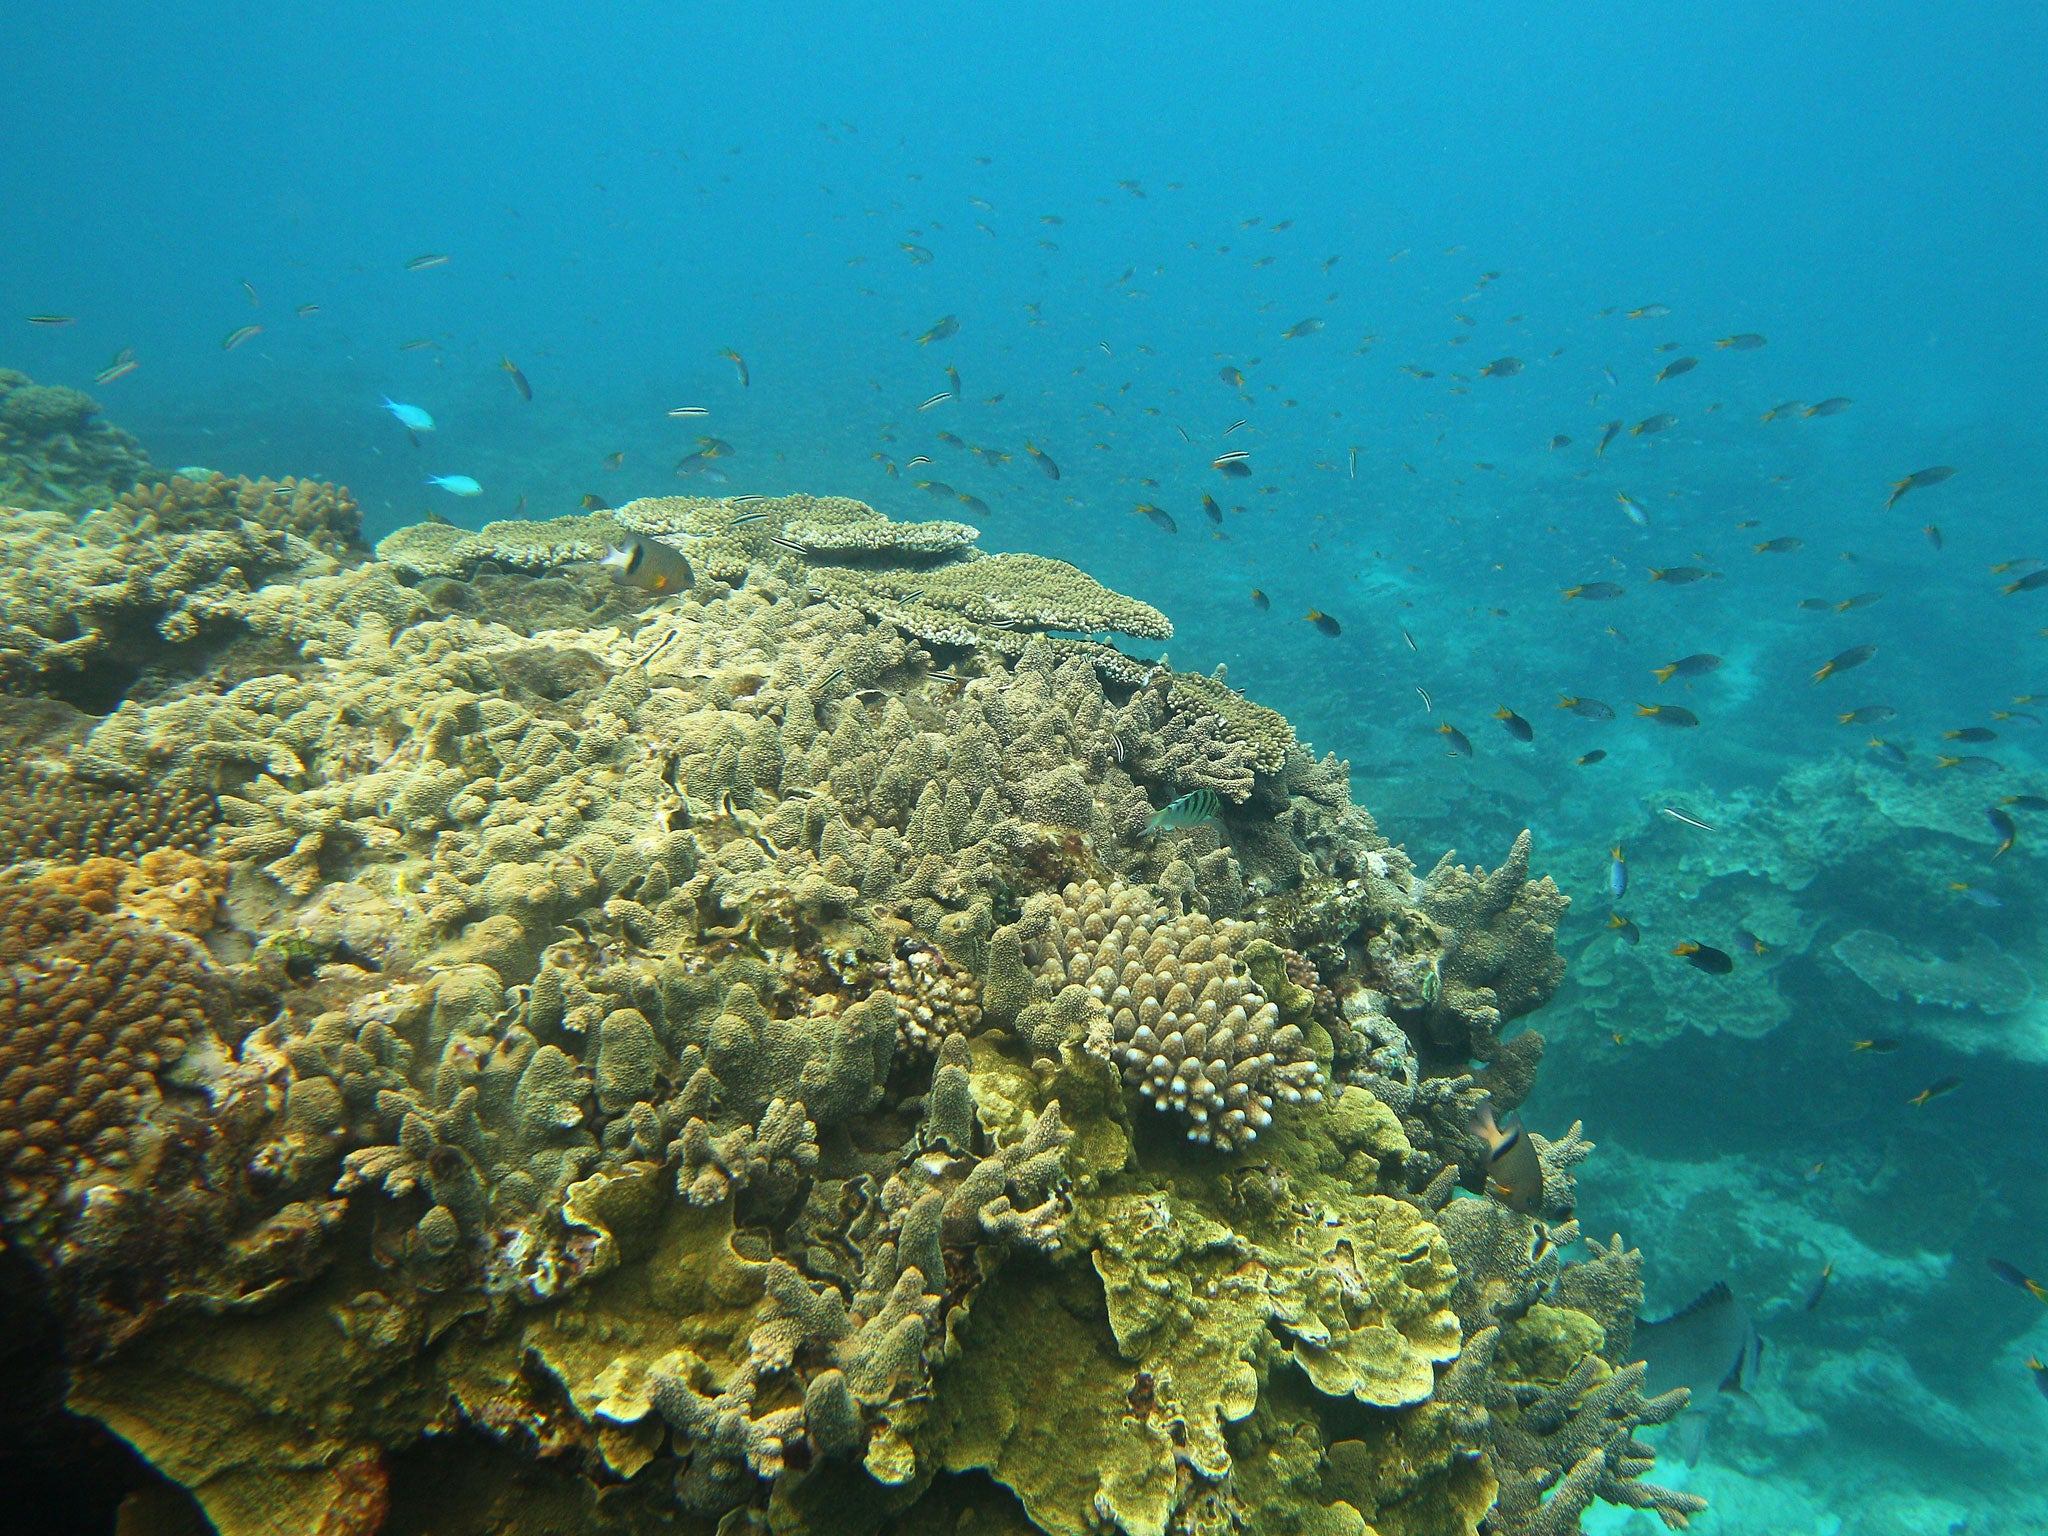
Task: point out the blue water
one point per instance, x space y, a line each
622 193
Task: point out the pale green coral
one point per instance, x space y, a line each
987 601
442 549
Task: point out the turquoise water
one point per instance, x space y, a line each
1117 204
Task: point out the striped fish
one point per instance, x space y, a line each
1190 810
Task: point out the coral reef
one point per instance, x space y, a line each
325 516
87 604
708 1064
56 453
1837 846
60 816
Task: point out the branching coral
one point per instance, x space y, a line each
1166 997
324 515
1555 1446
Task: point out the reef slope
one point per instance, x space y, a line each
489 1050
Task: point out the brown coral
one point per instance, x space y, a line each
92 1004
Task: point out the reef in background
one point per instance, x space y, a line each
56 452
1854 887
487 1050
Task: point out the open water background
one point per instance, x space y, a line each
623 191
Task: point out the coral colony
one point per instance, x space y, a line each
749 1058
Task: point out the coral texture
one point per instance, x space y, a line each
708 1063
46 815
93 1004
324 515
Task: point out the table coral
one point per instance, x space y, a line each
926 578
1984 977
690 1061
442 549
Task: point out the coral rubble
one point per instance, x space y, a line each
744 1061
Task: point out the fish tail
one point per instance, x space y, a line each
1664 673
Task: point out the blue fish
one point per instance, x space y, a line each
456 485
1617 876
411 417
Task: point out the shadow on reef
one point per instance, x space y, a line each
748 1062
63 1475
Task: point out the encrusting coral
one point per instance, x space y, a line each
715 1063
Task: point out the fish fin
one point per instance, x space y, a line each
1715 1295
1692 1439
